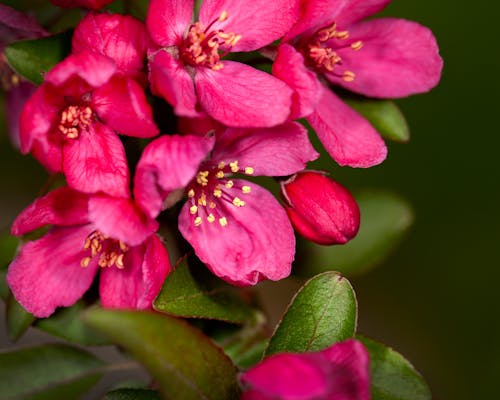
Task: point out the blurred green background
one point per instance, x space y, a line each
436 299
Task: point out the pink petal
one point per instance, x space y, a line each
201 125
257 243
47 273
139 282
259 22
170 80
167 20
290 68
239 95
168 163
62 207
355 10
122 38
15 25
346 135
120 219
16 98
122 105
95 162
278 151
92 4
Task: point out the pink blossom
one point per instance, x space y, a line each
320 209
340 372
69 124
237 228
188 70
92 4
384 57
89 232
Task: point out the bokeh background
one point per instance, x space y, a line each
436 298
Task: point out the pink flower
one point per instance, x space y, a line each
69 124
320 209
92 4
340 372
378 58
89 232
189 73
237 228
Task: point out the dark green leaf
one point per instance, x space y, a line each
132 394
68 324
185 363
4 289
47 372
323 312
17 318
182 295
384 115
33 58
8 246
393 377
385 218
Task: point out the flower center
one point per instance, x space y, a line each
212 186
322 54
73 119
110 251
201 46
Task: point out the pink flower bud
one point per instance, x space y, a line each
320 209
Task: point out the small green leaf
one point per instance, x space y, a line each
18 320
393 377
323 312
182 295
33 58
53 371
8 247
132 394
68 324
384 115
385 219
185 363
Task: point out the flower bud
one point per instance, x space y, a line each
320 209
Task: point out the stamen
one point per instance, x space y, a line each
211 218
191 193
234 166
229 184
249 170
357 45
110 251
238 202
197 221
223 221
193 209
246 189
73 118
348 76
220 174
217 192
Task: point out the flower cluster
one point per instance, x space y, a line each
234 122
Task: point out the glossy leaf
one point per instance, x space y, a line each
132 394
8 246
53 371
384 115
323 312
18 320
185 363
385 219
33 58
184 296
393 377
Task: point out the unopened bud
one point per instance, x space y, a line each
320 209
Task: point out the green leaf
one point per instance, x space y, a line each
323 312
385 219
185 363
384 115
8 247
18 320
68 324
33 58
132 394
53 371
182 295
393 377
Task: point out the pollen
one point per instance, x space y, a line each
210 218
197 221
217 192
234 166
348 76
249 171
223 221
238 202
221 165
73 119
212 205
202 200
191 193
220 174
246 189
229 184
110 252
202 178
193 209
357 45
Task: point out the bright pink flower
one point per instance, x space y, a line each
89 232
378 58
69 124
189 73
340 372
92 4
320 209
237 228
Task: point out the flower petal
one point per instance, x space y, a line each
16 98
239 95
122 105
346 135
120 219
168 163
47 273
278 151
167 20
62 207
398 58
139 282
95 162
259 22
92 4
355 10
256 243
170 80
15 25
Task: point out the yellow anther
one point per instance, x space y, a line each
197 221
220 174
193 209
238 202
217 192
229 184
123 246
191 193
218 66
357 45
223 221
86 245
234 166
221 165
223 16
202 200
249 170
119 261
201 178
342 35
246 189
85 262
348 76
212 205
210 218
